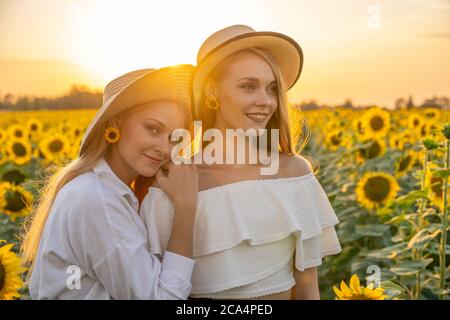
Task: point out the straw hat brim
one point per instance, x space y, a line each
169 83
284 49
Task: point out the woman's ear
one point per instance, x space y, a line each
210 88
115 122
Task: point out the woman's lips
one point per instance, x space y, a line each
152 159
257 117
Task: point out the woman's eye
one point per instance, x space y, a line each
273 90
152 130
248 86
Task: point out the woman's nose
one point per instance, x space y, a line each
163 147
264 99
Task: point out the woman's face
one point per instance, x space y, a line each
247 91
144 142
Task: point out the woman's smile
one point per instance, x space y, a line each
153 160
257 117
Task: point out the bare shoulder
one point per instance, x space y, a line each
292 165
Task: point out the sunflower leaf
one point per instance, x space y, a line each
411 197
372 230
391 289
421 237
443 173
409 268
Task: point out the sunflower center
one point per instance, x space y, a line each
372 151
416 122
404 163
19 149
429 115
377 189
55 146
397 143
423 130
359 297
34 127
376 123
13 176
335 140
15 202
18 133
2 275
112 135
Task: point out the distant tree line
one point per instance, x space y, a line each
79 97
400 103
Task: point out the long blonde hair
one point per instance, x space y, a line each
294 131
96 147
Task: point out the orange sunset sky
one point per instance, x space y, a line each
371 52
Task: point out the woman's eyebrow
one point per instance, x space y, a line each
255 80
157 121
249 79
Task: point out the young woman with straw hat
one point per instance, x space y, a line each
86 239
255 237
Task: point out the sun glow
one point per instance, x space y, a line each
111 38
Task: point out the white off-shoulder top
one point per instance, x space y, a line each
249 235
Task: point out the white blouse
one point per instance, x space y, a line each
249 235
94 246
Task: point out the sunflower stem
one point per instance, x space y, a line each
421 221
442 253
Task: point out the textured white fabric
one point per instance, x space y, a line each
94 227
249 235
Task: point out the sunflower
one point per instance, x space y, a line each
54 147
415 122
375 189
10 273
357 126
405 163
433 131
376 123
335 139
76 132
17 200
432 114
112 134
435 185
374 149
34 127
19 151
358 292
16 131
396 141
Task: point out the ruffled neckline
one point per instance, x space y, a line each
250 181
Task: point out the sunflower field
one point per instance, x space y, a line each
385 172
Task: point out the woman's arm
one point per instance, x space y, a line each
307 285
181 185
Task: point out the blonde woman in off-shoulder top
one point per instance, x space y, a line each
255 236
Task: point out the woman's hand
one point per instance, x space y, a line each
180 183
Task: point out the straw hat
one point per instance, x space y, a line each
141 86
225 42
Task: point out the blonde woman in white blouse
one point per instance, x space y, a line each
255 237
86 239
